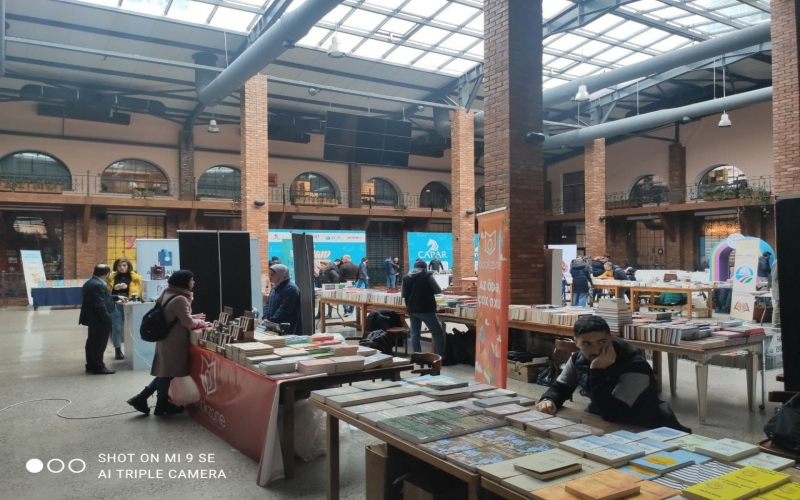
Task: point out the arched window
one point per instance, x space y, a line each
480 200
134 176
312 188
649 189
34 167
435 195
380 192
220 182
722 182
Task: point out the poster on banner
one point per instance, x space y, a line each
153 252
426 246
744 279
491 349
33 268
328 245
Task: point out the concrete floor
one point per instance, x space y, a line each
42 357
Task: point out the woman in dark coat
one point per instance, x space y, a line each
283 302
172 354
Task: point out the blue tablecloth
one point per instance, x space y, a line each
68 296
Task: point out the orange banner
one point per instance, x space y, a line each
491 350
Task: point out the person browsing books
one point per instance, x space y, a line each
419 292
612 374
283 302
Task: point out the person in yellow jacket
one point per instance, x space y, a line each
122 281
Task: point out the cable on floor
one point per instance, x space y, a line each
58 413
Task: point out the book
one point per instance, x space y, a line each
367 408
459 393
336 391
664 461
623 437
663 434
344 350
373 418
695 474
648 445
495 393
453 412
574 432
614 455
505 410
606 485
669 483
496 401
472 459
639 472
314 366
548 465
543 427
497 435
443 447
411 400
438 382
278 366
654 491
756 477
580 446
727 450
381 384
519 419
691 441
502 470
376 361
765 461
474 423
528 485
366 351
525 446
718 489
788 491
352 363
555 492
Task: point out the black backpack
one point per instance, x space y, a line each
382 340
154 323
784 428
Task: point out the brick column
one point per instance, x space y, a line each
70 237
677 173
354 185
785 104
186 163
255 164
463 181
513 107
594 159
85 258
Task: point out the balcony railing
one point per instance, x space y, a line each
758 189
88 184
286 195
559 207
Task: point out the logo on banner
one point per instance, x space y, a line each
744 274
432 251
208 376
742 307
490 243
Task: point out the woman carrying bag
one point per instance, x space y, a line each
172 354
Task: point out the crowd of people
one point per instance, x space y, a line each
584 268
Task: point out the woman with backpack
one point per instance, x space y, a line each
172 354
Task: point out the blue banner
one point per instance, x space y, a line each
426 246
328 245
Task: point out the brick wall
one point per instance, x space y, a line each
785 102
255 163
677 171
513 168
673 239
594 159
85 258
616 240
70 235
462 173
186 165
354 185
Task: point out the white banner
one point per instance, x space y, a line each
33 268
744 279
152 252
568 254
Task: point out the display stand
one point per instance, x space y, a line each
139 353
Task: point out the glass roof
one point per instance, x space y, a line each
446 36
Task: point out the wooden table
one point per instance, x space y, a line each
702 357
637 291
475 486
288 391
361 307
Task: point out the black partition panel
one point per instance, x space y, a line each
199 253
303 248
234 258
787 213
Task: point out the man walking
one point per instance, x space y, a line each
419 290
348 272
388 270
96 313
363 273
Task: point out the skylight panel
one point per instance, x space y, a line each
634 58
190 11
670 43
559 63
456 14
153 7
458 42
644 5
625 30
594 47
348 42
476 50
476 24
337 14
565 43
613 54
314 37
712 4
459 66
424 8
373 49
397 26
428 35
737 10
107 3
693 20
668 13
583 69
432 61
363 20
755 18
251 3
648 37
386 4
715 29
232 19
551 8
553 83
602 24
403 55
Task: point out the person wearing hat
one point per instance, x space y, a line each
419 292
764 267
283 302
172 354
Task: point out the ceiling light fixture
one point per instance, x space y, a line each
335 51
212 125
312 91
583 94
724 120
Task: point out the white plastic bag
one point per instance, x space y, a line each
310 431
183 391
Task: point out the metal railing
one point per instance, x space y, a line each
559 207
286 195
89 184
758 189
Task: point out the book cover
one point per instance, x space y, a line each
640 472
580 446
623 437
497 435
664 461
503 470
669 483
718 489
336 391
756 477
788 491
373 418
443 385
648 445
505 410
496 401
528 416
381 384
654 491
606 485
367 408
526 446
574 432
472 459
528 485
765 461
495 393
556 492
614 454
728 450
443 447
479 422
454 412
695 474
553 463
544 426
663 434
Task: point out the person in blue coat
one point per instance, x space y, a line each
283 302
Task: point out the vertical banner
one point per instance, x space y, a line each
33 268
491 349
744 279
153 252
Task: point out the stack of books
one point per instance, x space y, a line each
316 366
344 364
376 361
727 450
323 394
737 485
616 313
574 432
269 339
278 366
288 352
519 420
371 396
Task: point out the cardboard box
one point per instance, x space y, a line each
384 466
526 372
435 485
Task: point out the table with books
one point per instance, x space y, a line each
639 292
492 440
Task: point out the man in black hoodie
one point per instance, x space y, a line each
609 371
581 282
419 291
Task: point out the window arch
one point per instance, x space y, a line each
221 181
380 192
132 176
35 166
649 189
312 188
435 195
722 182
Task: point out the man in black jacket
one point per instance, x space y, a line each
581 282
609 371
348 272
419 290
96 313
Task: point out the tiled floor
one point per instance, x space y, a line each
42 357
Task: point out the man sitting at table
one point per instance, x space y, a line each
609 371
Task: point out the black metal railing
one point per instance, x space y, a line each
286 195
559 207
758 189
88 184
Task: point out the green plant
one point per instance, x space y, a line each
143 193
759 195
400 207
236 200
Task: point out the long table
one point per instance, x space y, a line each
638 291
475 483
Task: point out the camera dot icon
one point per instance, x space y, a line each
34 465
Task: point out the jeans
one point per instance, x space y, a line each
161 386
580 298
117 324
432 322
391 281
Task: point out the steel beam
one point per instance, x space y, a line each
579 15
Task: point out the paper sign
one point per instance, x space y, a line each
744 279
33 268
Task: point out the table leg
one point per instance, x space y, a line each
763 372
474 490
288 431
701 369
321 317
657 371
752 378
363 320
332 459
672 361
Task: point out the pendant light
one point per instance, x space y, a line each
724 120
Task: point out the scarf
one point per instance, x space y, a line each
176 290
281 272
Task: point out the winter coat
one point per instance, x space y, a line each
598 267
764 269
283 306
135 287
581 278
172 353
619 274
348 272
419 290
329 276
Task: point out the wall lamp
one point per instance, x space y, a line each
534 138
602 218
259 203
470 212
